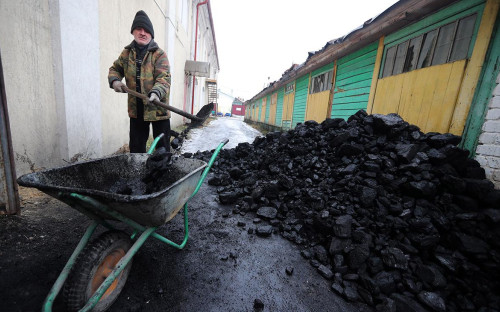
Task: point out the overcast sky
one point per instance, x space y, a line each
257 39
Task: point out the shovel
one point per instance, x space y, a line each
200 117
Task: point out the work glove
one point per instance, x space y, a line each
153 97
118 86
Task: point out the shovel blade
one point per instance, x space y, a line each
203 114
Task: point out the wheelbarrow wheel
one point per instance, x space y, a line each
91 268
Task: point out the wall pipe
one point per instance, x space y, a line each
195 46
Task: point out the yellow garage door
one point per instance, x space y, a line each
424 97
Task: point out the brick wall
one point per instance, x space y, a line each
488 149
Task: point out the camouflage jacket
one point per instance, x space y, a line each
155 76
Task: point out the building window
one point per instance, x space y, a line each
289 88
412 54
399 61
445 44
321 82
463 37
425 56
389 61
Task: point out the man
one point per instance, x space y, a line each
146 70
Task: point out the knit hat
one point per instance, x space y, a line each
142 20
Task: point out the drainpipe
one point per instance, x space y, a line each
9 192
195 46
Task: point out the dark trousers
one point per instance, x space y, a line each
139 134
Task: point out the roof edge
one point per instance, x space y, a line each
400 14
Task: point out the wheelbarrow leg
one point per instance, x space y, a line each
118 269
136 226
47 306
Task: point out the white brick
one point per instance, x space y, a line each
496 90
492 126
493 114
489 138
488 150
482 161
495 102
488 172
494 176
488 161
493 162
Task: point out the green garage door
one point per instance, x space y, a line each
299 105
353 81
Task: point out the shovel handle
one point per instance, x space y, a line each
166 106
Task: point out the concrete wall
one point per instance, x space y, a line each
180 15
81 81
225 102
115 21
488 149
56 57
205 52
52 77
26 35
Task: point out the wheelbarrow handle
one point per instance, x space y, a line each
155 142
209 166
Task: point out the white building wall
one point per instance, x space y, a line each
488 149
115 21
225 102
52 77
26 36
56 56
180 16
205 52
81 78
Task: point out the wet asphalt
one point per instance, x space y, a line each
224 268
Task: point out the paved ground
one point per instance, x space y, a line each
222 268
217 130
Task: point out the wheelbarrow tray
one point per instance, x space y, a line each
95 178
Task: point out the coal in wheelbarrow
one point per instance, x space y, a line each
96 178
158 173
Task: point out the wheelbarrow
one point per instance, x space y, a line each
96 272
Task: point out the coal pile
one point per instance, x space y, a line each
393 217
